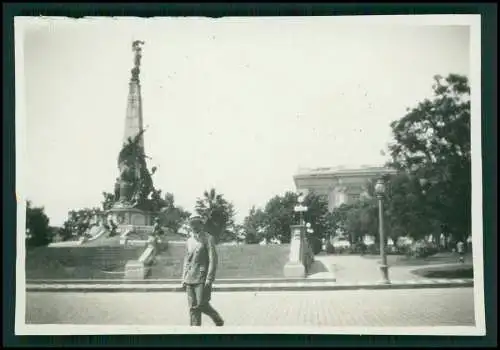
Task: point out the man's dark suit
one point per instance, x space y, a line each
200 266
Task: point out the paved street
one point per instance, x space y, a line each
408 307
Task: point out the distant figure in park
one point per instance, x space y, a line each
200 265
469 243
461 251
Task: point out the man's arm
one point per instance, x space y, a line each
212 259
185 265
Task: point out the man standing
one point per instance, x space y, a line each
200 265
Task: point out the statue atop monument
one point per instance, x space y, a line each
135 181
137 49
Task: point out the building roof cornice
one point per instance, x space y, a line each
330 172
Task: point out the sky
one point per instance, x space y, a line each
238 104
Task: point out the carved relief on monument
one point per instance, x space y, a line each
138 219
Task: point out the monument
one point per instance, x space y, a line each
134 188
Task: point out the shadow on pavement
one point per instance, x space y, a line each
317 267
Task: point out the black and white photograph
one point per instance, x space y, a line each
287 175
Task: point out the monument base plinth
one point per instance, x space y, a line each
124 216
294 269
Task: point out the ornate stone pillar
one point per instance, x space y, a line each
295 265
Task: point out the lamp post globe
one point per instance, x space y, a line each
300 208
300 199
380 188
423 181
423 184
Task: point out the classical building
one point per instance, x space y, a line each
338 185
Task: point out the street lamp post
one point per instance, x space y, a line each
380 192
300 208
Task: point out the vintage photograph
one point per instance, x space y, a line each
249 175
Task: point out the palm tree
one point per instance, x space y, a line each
216 211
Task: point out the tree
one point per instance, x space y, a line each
254 226
358 219
218 214
337 220
38 232
316 214
108 200
172 216
432 142
280 216
405 209
79 222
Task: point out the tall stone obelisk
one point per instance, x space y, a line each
133 121
134 185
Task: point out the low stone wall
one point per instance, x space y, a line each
140 269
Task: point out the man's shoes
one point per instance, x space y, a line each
219 323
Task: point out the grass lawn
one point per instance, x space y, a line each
240 261
84 262
452 271
439 258
108 262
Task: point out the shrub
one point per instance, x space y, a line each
358 248
373 249
421 249
342 250
329 248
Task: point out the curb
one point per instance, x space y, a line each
176 281
247 287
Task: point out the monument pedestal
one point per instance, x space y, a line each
294 269
124 216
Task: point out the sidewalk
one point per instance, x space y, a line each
357 269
